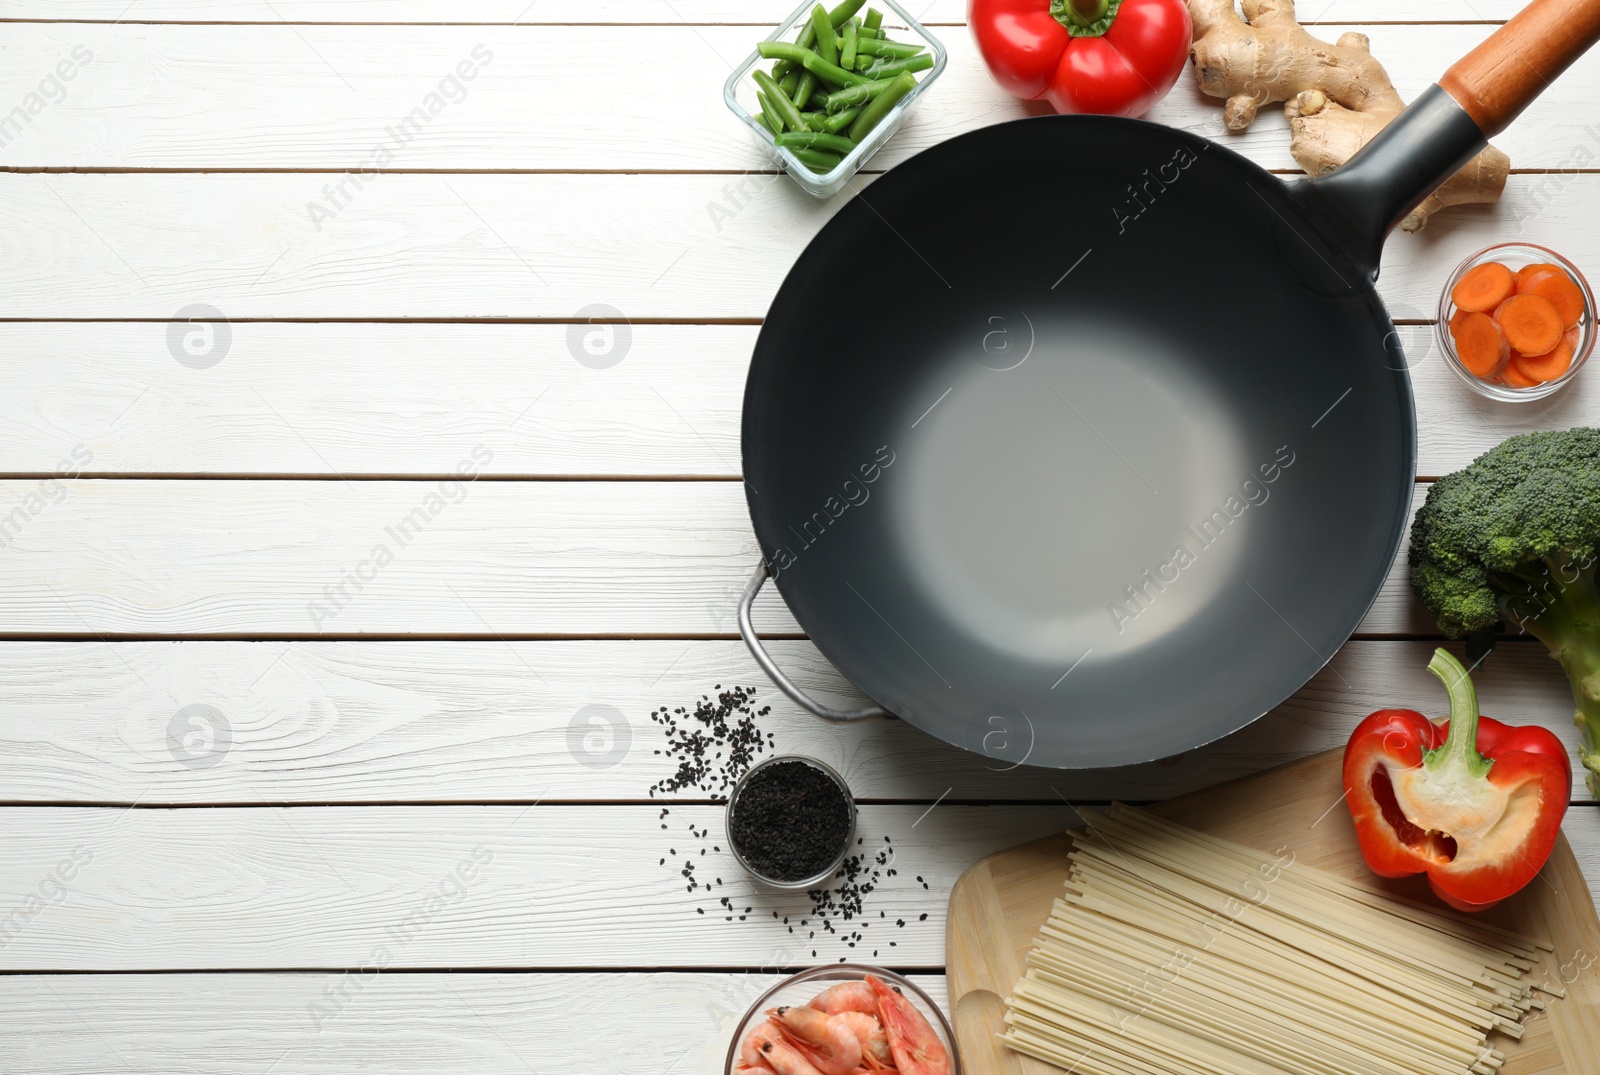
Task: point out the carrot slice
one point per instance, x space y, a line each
1559 289
1537 266
1480 345
1551 364
1455 321
1513 377
1531 323
1483 287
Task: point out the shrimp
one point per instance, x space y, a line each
764 1049
827 1042
916 1049
869 1032
751 1054
851 996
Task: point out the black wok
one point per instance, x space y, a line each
1080 441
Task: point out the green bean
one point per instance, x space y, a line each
790 82
894 49
881 105
817 160
783 67
847 45
873 20
784 50
774 50
864 61
840 120
827 43
855 95
815 140
779 102
803 92
844 11
895 67
767 119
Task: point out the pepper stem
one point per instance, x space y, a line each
1460 747
1087 12
1085 18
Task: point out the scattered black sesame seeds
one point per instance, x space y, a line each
714 744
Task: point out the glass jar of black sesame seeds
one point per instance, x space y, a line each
791 820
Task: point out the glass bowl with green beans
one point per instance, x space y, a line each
831 85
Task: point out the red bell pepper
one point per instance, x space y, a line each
1109 57
1473 803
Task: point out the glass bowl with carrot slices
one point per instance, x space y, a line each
844 1017
1516 321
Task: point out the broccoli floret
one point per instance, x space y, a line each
1511 541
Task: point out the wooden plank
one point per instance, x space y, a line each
330 557
534 98
500 887
484 721
383 399
438 246
393 399
478 558
456 886
755 12
406 1024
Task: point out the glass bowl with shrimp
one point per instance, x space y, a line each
845 1019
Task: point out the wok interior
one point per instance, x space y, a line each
1111 460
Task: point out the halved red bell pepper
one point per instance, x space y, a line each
1473 803
1110 57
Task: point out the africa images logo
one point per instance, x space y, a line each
1142 593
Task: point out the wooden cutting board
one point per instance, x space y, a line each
996 907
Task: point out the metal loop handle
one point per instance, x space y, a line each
747 631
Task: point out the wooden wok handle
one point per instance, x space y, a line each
1498 79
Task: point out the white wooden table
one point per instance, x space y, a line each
192 521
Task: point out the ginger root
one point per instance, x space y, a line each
1337 96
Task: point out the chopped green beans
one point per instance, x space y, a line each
894 67
897 50
824 70
827 44
855 95
832 83
808 32
880 105
766 117
780 105
802 93
815 140
840 120
819 161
